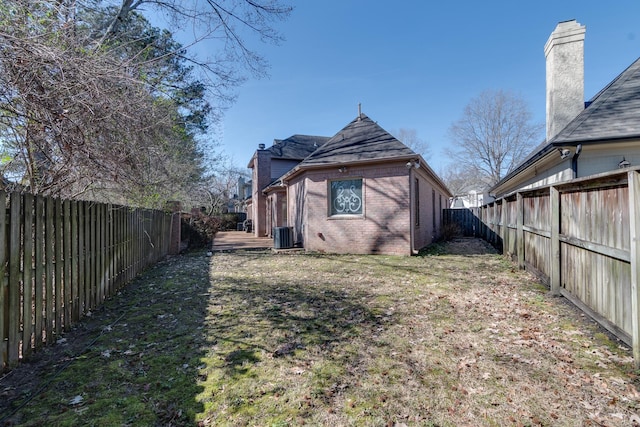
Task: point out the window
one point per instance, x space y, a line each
416 203
346 197
433 208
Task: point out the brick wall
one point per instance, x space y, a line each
275 205
428 228
384 226
260 179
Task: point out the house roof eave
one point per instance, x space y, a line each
528 169
425 166
550 148
274 188
252 161
302 168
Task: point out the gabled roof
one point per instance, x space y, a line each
360 140
612 114
296 147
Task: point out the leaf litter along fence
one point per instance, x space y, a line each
60 259
581 237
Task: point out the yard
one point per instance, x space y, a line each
459 337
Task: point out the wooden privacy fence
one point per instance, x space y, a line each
59 259
466 219
582 238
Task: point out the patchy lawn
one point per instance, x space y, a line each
253 338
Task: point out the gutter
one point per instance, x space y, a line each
552 146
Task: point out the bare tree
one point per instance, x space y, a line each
493 136
460 181
410 138
219 188
94 101
228 22
74 121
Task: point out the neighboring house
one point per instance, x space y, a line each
582 138
362 191
472 199
268 164
243 193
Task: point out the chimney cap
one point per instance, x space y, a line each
261 146
565 32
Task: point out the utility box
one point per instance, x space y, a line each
282 237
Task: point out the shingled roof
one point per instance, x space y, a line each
612 114
360 140
296 147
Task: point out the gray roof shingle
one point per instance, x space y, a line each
360 140
296 147
613 113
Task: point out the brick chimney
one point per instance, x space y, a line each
564 52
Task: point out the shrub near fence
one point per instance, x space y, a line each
59 259
582 238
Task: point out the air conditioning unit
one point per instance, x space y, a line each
282 237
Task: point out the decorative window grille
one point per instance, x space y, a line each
346 197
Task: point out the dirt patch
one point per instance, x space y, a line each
253 338
468 246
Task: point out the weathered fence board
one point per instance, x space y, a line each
582 237
39 272
64 258
27 274
634 250
4 288
73 252
57 262
466 219
14 279
49 269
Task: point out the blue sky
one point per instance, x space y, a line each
415 64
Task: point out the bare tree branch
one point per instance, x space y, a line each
493 135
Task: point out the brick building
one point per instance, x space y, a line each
361 191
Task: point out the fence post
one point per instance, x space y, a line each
504 229
634 239
66 263
554 262
493 223
15 252
174 239
4 286
520 229
27 273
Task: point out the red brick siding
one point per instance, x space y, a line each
274 211
425 234
260 179
383 228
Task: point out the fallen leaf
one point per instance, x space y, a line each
587 405
76 400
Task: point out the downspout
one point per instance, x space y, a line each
412 220
574 161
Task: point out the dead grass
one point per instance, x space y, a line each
280 340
